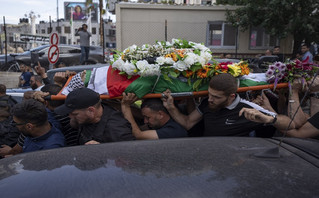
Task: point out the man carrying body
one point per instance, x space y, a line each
98 123
84 42
220 110
155 116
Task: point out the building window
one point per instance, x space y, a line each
58 29
94 30
221 35
49 30
43 31
260 40
67 30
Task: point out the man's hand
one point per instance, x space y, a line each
4 150
40 70
255 115
168 100
60 78
39 95
92 142
299 84
128 99
315 85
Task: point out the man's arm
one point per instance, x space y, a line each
187 121
254 115
127 100
293 104
306 131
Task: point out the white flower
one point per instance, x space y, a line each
152 70
190 59
142 65
169 61
206 55
202 60
129 68
118 64
181 66
160 60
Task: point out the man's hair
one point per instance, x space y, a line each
84 25
224 82
277 46
53 89
155 104
306 45
31 111
37 78
3 89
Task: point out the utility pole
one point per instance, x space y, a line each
101 22
57 12
5 38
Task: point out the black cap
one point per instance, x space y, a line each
78 99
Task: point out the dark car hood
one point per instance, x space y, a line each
190 167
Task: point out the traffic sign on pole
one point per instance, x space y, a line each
54 39
53 54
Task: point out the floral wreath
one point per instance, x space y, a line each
179 58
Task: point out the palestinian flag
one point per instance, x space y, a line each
108 81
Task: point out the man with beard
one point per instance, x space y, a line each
36 82
97 122
155 116
220 110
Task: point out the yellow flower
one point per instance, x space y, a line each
234 70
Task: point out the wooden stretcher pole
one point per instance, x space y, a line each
187 94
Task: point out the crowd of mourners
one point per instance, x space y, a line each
83 118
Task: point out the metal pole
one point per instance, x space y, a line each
57 12
103 39
50 25
165 30
5 39
236 41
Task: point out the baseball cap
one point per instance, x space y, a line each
78 99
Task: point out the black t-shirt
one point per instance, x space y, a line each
226 121
171 130
112 127
314 120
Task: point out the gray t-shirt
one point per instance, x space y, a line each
84 38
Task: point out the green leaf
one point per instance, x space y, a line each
122 73
173 74
165 76
197 84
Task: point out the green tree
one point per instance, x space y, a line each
279 18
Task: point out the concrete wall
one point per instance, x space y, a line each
145 23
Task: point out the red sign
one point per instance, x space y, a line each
53 54
54 39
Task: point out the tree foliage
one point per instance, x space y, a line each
279 18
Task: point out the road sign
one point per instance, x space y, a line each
53 54
54 39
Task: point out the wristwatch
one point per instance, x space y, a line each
314 95
274 120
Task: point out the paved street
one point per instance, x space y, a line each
10 79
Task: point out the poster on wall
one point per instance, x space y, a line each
81 12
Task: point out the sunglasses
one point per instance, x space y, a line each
13 123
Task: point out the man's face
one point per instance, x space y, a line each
151 118
276 50
22 68
84 27
81 116
21 126
217 100
304 49
33 83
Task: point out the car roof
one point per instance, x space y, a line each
184 167
77 68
